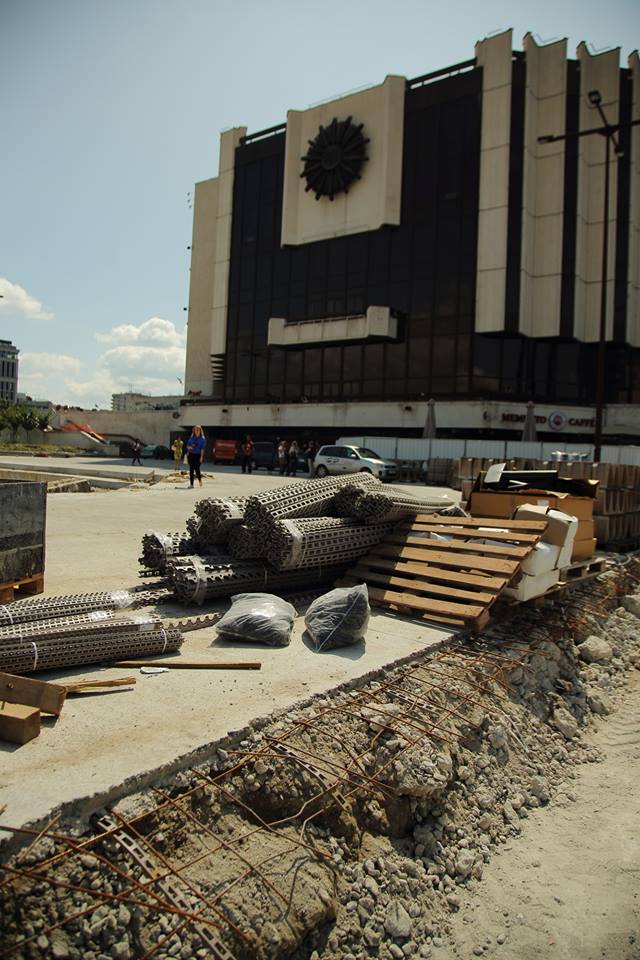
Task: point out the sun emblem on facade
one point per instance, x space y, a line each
335 158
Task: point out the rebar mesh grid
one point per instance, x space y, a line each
425 704
196 579
47 608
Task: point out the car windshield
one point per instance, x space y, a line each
367 454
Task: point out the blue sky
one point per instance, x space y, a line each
110 111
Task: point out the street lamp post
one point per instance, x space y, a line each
608 131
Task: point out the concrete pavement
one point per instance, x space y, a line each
102 741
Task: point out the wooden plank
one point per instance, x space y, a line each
533 526
462 611
518 553
47 697
446 559
192 664
472 533
18 723
420 585
90 686
438 574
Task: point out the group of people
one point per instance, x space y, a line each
290 455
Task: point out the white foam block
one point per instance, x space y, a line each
543 557
530 587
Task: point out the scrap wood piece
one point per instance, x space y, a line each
90 686
440 575
418 585
532 526
516 553
445 558
18 723
473 533
193 664
47 697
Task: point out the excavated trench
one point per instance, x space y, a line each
350 828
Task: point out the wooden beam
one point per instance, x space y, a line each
534 526
461 611
518 553
472 533
47 697
18 723
192 664
89 686
419 585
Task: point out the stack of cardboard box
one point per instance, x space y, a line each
541 569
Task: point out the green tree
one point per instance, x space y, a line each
30 420
44 420
13 417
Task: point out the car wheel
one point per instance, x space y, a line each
366 470
321 471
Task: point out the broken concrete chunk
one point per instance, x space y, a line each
565 723
632 603
595 650
397 921
598 701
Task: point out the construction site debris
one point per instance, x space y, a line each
338 618
358 823
97 686
47 697
258 618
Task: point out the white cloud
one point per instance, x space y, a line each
15 299
147 358
153 331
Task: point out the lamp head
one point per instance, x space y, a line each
594 97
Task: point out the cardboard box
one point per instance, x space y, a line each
543 557
503 505
529 587
583 549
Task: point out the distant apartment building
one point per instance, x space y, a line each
130 402
8 371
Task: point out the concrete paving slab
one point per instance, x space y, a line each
100 741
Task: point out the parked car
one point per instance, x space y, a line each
341 460
226 451
265 454
156 452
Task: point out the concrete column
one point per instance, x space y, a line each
597 72
633 295
494 56
229 140
543 189
203 247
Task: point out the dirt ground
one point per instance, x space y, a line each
568 888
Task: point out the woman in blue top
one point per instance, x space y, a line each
195 453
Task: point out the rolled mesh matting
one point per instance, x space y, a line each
310 498
156 547
242 544
91 644
214 518
47 608
300 543
195 579
54 626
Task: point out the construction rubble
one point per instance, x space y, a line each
349 828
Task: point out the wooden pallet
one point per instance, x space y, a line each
454 582
583 569
22 588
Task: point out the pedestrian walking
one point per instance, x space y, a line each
292 462
283 456
137 448
177 448
195 454
247 455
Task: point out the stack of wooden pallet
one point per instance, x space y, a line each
442 568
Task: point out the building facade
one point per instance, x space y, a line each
8 371
416 240
128 402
